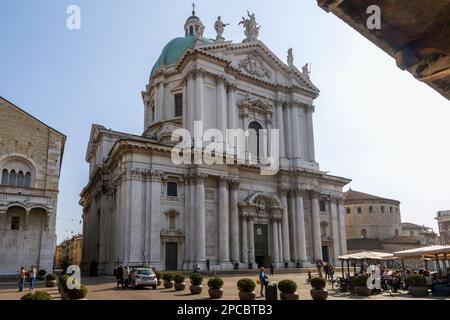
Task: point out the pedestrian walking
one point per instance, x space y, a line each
32 277
22 277
263 279
119 276
271 269
126 276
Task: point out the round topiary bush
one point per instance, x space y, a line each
50 277
360 281
318 283
167 277
196 279
246 285
417 280
63 282
287 286
75 294
215 283
28 296
179 278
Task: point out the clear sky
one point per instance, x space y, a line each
374 123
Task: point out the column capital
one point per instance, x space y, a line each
220 79
223 181
200 178
155 175
315 193
233 184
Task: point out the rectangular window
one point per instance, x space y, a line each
178 105
15 223
172 189
322 206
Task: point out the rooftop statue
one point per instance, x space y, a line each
220 26
290 58
251 27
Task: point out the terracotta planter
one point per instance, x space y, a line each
289 296
196 289
247 295
418 291
168 284
319 294
50 283
180 286
215 293
363 291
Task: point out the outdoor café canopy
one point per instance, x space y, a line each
369 255
423 251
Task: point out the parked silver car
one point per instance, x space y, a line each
143 277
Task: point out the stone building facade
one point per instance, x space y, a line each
139 206
30 162
443 218
425 235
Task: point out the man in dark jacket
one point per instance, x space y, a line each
119 276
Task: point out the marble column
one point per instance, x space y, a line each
285 227
280 242
192 230
135 234
234 221
244 239
296 131
200 218
290 132
232 109
190 108
317 239
276 256
251 239
199 96
335 229
280 126
222 117
300 222
310 132
187 221
156 217
159 107
223 222
341 215
292 224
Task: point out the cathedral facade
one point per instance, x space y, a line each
141 207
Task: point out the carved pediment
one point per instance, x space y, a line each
256 105
253 65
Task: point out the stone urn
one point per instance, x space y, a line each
362 291
215 293
418 291
243 295
168 284
51 283
196 289
180 286
289 296
319 294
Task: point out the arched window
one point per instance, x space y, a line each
191 30
348 211
396 232
4 177
363 233
382 209
359 210
390 209
370 209
20 179
12 178
254 140
27 180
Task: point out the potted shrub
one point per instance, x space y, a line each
168 280
318 291
179 282
62 286
38 295
159 277
246 289
288 290
78 294
41 274
215 290
359 284
417 286
50 280
196 283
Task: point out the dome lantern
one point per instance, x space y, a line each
192 23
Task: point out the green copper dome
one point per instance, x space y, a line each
173 51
